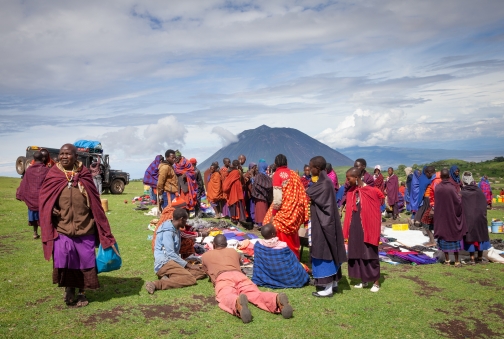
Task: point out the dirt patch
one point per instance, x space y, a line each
459 329
187 332
39 301
345 326
425 289
164 332
497 309
179 311
6 249
482 283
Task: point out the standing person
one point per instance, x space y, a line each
72 222
402 188
392 188
289 209
368 179
96 173
226 164
48 161
484 185
306 179
449 219
242 159
423 203
362 228
328 245
167 179
262 192
171 269
214 190
475 212
188 188
379 181
233 189
331 174
151 177
409 178
201 186
233 290
455 177
29 189
248 180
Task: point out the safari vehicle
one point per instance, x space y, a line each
113 180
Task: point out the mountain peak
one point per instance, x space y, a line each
267 142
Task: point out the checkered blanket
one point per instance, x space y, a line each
277 268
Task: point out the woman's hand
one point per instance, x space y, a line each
56 212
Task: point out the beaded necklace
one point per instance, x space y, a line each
69 178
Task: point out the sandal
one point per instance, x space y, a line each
36 236
447 263
481 261
82 300
457 264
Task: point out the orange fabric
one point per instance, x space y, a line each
232 187
224 173
402 190
294 209
214 188
432 187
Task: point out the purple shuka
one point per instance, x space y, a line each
74 253
449 218
392 187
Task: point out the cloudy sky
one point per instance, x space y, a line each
142 76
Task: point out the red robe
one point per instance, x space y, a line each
370 200
29 189
232 187
54 183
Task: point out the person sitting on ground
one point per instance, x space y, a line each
233 290
167 179
275 265
29 189
475 211
362 228
171 269
449 219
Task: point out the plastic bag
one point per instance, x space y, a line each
107 260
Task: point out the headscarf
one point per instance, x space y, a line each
455 178
193 161
467 178
378 167
178 154
263 166
408 171
252 165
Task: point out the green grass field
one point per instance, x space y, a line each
415 301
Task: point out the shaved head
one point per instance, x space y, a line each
70 147
38 156
354 172
220 241
268 231
445 174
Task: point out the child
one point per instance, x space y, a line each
362 228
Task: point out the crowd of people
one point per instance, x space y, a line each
63 200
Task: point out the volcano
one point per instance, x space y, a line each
266 143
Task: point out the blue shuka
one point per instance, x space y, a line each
277 268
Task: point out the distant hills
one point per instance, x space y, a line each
394 156
266 143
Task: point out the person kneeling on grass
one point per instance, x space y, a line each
233 289
171 269
275 265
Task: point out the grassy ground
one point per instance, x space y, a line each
415 301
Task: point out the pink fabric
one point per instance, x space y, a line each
334 178
229 285
273 243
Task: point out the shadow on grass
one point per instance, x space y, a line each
344 284
116 287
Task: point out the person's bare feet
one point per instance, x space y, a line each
150 287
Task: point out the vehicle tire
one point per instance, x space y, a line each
117 186
27 164
20 165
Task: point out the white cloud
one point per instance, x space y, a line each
167 133
226 136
